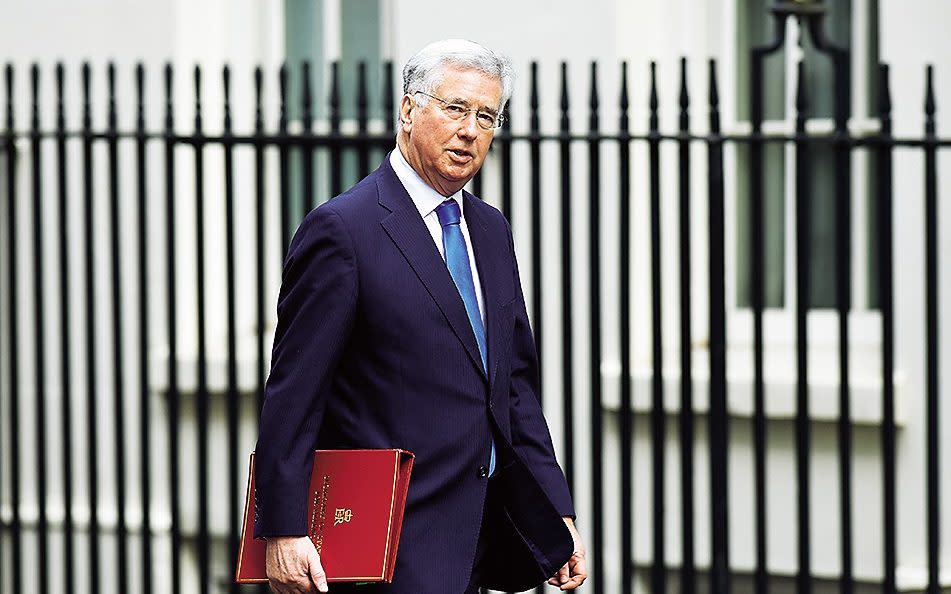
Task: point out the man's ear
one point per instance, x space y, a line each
406 113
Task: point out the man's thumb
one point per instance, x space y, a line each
317 572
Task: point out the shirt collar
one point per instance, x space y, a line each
424 197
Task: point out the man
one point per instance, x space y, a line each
401 323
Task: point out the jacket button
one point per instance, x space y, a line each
483 471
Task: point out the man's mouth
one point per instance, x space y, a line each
460 154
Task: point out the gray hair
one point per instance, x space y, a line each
423 71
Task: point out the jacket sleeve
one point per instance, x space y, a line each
315 313
530 435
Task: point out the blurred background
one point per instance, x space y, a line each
733 233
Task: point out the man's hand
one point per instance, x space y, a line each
293 566
574 573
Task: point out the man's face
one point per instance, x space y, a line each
446 152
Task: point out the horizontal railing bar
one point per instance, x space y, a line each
332 139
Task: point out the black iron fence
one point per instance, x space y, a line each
107 353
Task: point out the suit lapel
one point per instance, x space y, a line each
489 265
408 231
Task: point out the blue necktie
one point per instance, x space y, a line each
457 259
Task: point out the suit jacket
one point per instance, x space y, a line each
373 349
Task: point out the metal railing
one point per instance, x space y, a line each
54 250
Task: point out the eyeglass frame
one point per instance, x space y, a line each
499 118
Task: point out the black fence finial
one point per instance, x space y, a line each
226 82
684 97
564 123
594 122
8 75
533 100
35 96
258 100
929 101
282 88
389 109
653 103
802 99
87 103
363 96
140 97
307 100
714 99
111 80
624 122
60 92
335 96
169 77
884 96
197 76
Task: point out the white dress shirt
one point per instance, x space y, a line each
426 200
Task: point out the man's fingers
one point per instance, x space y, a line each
317 572
319 579
293 566
560 577
579 573
291 587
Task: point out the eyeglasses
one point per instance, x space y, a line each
456 111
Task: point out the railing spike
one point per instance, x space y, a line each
87 103
140 95
363 101
60 93
282 87
684 97
35 96
258 99
930 107
654 120
306 95
335 96
625 101
564 103
714 99
226 81
593 102
624 123
197 77
802 101
169 79
111 84
388 97
8 76
884 92
533 101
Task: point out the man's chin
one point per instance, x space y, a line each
458 179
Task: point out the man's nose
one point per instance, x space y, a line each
468 126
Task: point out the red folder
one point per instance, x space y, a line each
355 505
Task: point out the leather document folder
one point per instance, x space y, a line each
355 509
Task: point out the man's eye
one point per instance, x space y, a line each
455 109
486 118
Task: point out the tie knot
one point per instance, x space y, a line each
448 213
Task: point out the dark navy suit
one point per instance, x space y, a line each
374 349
